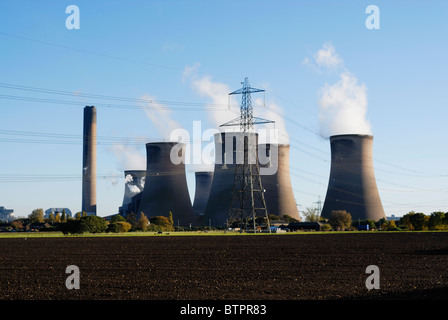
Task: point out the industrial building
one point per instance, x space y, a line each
166 187
54 211
352 185
228 152
203 184
278 193
162 188
6 214
134 185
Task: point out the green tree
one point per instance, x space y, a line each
340 219
415 221
406 220
117 218
163 222
91 224
63 216
37 215
170 218
131 218
119 226
311 215
142 222
436 221
389 226
17 224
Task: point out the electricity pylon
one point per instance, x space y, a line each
248 201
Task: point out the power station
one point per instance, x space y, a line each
204 181
134 185
89 162
221 191
352 185
162 188
166 187
276 180
248 205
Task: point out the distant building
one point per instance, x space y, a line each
53 211
393 217
6 214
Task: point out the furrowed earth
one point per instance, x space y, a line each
412 265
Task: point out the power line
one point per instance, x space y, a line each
100 54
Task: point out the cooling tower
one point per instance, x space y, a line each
134 184
276 182
89 162
203 185
166 184
228 152
352 186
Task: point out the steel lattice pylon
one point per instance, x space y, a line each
248 201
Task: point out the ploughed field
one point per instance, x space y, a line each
267 267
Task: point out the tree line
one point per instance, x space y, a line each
83 223
418 221
339 220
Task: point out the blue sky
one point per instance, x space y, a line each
190 54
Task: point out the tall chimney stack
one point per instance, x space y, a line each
89 162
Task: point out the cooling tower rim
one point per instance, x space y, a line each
165 143
358 135
132 171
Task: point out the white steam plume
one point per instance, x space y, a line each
218 114
129 157
134 187
128 178
328 57
160 115
342 105
221 109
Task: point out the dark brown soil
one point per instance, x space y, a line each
266 267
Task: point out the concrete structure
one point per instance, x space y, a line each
134 184
134 205
166 184
53 211
352 185
6 214
228 152
276 182
204 181
89 162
